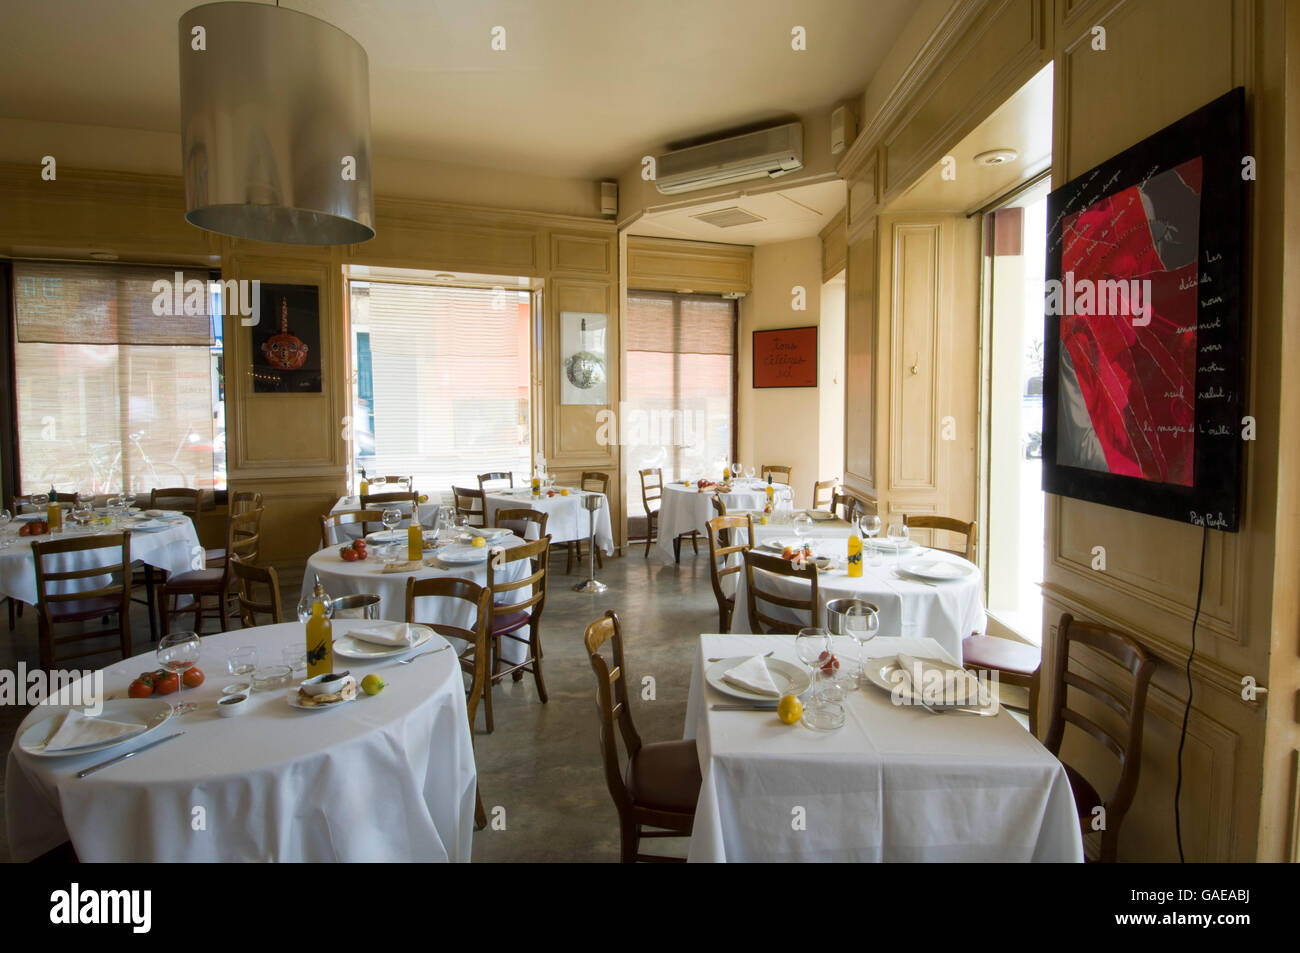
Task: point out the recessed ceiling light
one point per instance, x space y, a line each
996 157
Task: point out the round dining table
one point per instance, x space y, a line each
567 518
428 515
383 778
687 508
910 607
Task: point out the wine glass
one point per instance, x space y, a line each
813 646
749 473
178 652
5 539
735 470
861 624
40 501
898 536
379 482
391 517
803 526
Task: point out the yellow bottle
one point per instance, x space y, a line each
365 487
320 645
537 486
414 542
54 517
855 555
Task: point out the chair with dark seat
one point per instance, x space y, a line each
592 481
1016 663
844 505
182 498
518 519
474 658
760 623
497 477
247 578
779 473
723 531
521 608
652 491
242 543
185 500
56 605
661 784
330 523
470 504
824 493
1125 744
968 532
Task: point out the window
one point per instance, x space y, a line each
680 380
441 379
110 394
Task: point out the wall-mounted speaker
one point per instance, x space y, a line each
609 198
844 129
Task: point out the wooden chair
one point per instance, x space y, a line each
824 493
661 784
844 506
57 606
496 476
1126 746
378 501
240 502
247 576
182 498
517 612
756 563
470 504
950 525
474 657
722 547
330 522
777 472
520 516
592 481
652 491
719 504
408 483
242 543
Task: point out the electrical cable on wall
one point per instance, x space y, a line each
1182 736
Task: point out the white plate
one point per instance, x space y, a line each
150 524
778 545
148 713
879 672
397 536
491 533
295 703
889 545
459 555
937 570
351 647
790 679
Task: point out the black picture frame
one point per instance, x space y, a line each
1216 134
297 309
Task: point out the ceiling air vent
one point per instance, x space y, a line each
729 217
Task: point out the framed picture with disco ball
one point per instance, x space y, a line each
584 360
286 347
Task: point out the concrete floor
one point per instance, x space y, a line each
542 763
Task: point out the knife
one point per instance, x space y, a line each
130 754
742 708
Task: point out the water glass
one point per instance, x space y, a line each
5 539
295 656
242 661
898 536
391 517
862 624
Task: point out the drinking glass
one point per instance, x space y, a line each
825 708
861 624
40 501
5 539
735 470
898 536
869 524
803 526
242 660
295 656
813 646
391 517
179 652
379 482
749 473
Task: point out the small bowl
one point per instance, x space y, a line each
231 705
318 685
241 687
271 676
823 562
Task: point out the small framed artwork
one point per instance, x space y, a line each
786 357
583 375
286 341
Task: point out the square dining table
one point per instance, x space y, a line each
895 783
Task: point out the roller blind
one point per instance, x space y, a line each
113 391
442 382
680 382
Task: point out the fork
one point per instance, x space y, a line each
408 661
768 655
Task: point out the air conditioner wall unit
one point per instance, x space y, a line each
769 153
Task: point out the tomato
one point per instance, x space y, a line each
348 554
167 685
829 662
147 678
140 689
193 678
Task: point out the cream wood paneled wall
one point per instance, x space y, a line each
1163 60
291 448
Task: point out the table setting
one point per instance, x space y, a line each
427 515
389 776
567 518
881 748
687 506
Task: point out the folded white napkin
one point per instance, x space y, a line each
79 729
938 682
383 633
488 532
752 675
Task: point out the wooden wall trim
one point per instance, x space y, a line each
670 264
834 246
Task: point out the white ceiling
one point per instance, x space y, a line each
584 88
799 212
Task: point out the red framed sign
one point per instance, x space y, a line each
786 357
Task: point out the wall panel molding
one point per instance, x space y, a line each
668 264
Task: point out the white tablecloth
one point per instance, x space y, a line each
174 549
894 784
946 611
684 508
348 531
567 520
342 578
388 777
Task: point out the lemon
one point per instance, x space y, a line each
789 709
372 684
564 491
478 542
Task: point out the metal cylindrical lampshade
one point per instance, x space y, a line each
275 114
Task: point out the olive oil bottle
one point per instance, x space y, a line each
320 644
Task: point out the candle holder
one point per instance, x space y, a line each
593 502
